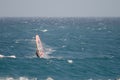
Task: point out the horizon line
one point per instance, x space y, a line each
59 16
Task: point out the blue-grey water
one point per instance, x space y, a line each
77 48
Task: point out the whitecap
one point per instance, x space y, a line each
19 78
70 61
45 30
49 78
12 56
118 79
49 50
1 56
9 78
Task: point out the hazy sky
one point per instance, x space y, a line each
60 8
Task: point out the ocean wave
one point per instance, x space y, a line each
50 78
19 78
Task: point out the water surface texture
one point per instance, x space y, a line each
78 48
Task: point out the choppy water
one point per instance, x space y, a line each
78 48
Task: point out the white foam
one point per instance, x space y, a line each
70 61
45 30
33 55
12 56
48 49
49 78
1 56
23 78
19 78
118 79
9 78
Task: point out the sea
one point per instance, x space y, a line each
77 48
